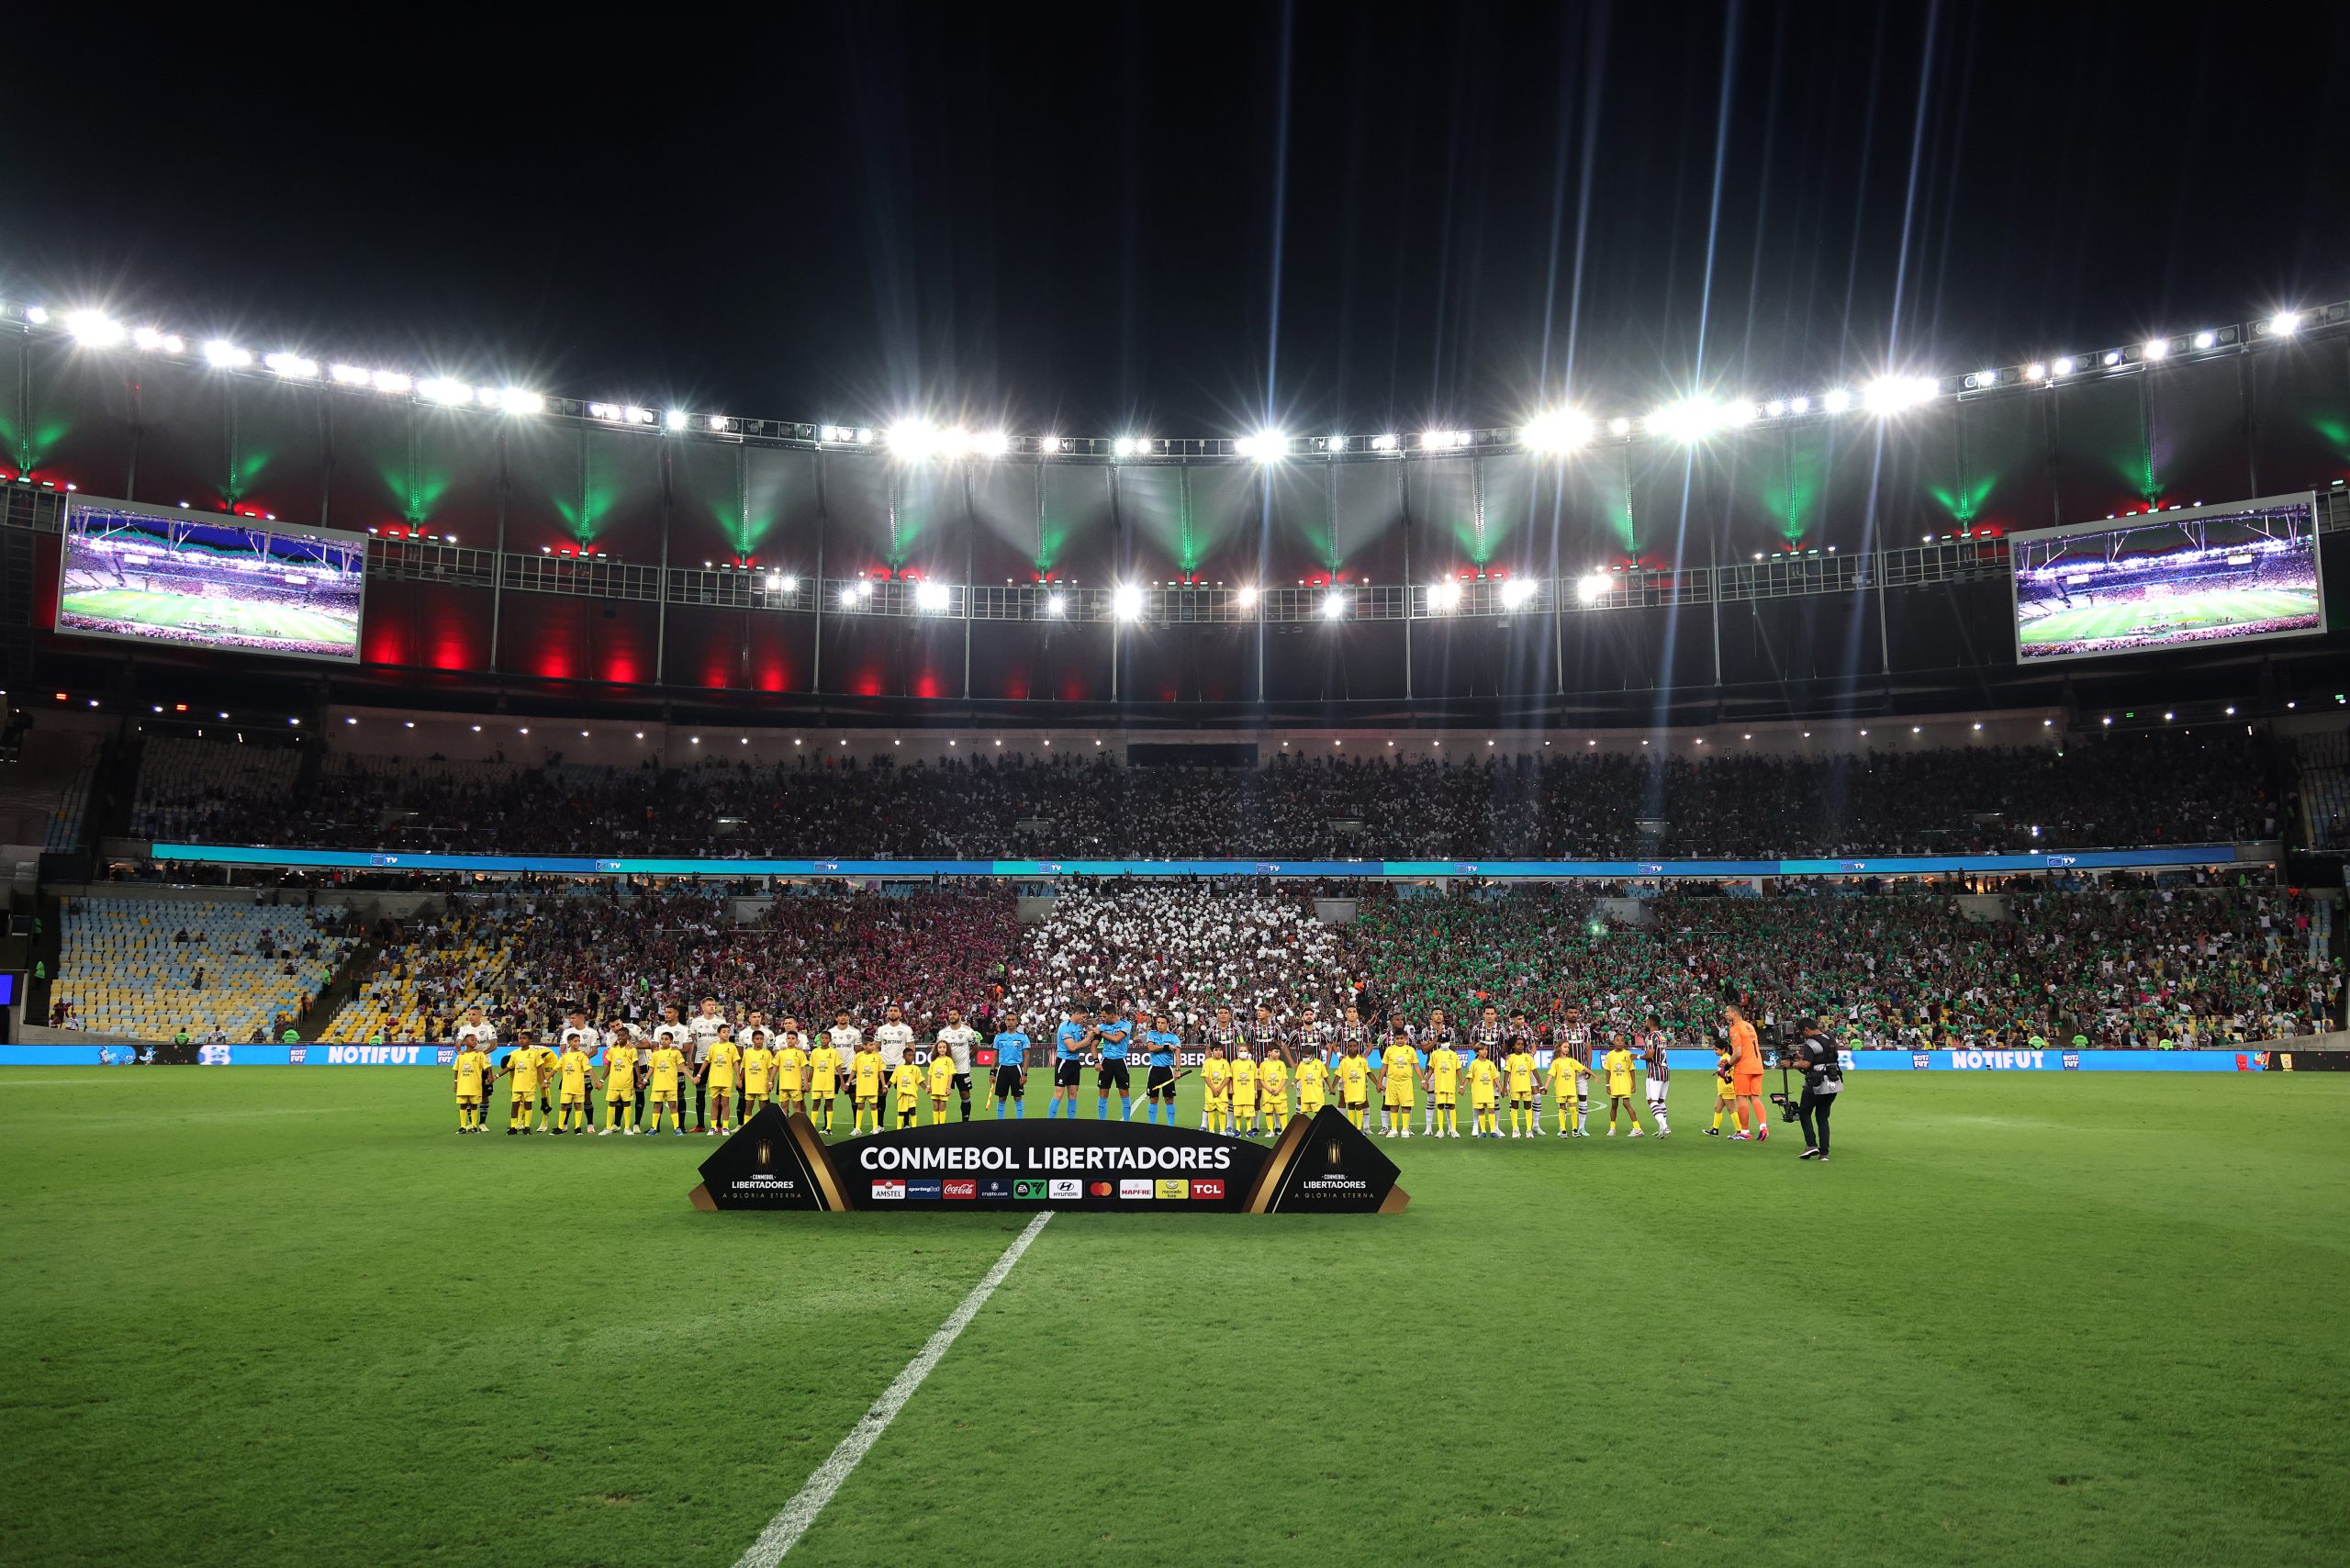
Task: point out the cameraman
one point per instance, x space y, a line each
1823 1080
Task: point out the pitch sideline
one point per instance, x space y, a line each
783 1531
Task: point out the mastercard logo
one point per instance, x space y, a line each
1100 1189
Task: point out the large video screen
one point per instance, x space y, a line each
163 575
2213 573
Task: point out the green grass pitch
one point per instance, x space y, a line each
177 611
284 1316
2231 607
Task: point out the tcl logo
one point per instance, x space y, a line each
1206 1188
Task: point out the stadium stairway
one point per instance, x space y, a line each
349 976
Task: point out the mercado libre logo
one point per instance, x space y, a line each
1319 1164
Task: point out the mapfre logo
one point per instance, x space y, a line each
1134 1187
889 1191
1206 1188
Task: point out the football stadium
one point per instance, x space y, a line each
1067 831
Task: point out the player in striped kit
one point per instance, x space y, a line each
1226 1040
1659 1069
1436 1036
1355 1035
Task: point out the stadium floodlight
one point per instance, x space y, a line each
392 381
637 416
2156 348
1438 440
912 440
864 588
2062 365
1265 446
348 374
1986 379
2284 323
1690 420
932 596
1557 431
790 582
1592 589
1334 605
94 328
775 582
224 354
1774 407
1333 444
1444 596
1048 444
1245 596
514 400
1127 601
848 598
954 441
1516 592
718 424
1836 401
1123 447
2206 338
2035 370
2112 358
157 341
1890 395
991 443
36 314
677 420
1057 605
442 390
1798 404
293 366
1385 442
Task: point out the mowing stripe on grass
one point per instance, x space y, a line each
784 1530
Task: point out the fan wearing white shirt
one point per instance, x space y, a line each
957 1040
708 1026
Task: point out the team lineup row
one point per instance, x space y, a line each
1247 1074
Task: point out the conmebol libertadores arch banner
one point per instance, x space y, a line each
1321 1165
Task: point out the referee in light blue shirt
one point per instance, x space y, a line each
1113 1032
1012 1070
1069 1041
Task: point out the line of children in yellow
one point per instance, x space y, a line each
1245 1096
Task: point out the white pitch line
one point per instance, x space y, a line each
783 1531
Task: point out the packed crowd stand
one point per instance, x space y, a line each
2211 784
2143 968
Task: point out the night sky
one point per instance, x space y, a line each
1175 220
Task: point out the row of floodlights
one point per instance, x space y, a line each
1558 431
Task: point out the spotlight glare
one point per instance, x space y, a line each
224 354
1592 589
2062 366
790 583
95 328
1385 442
1334 605
1438 440
1557 431
2035 372
1517 591
1057 605
392 381
1264 446
991 443
2206 338
1123 447
910 439
1048 444
1127 601
677 420
1798 404
1246 597
1444 596
2156 348
1893 394
865 588
1619 426
1333 443
1837 401
514 400
2285 323
930 596
293 366
348 374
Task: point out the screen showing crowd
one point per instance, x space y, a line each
163 576
2164 579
